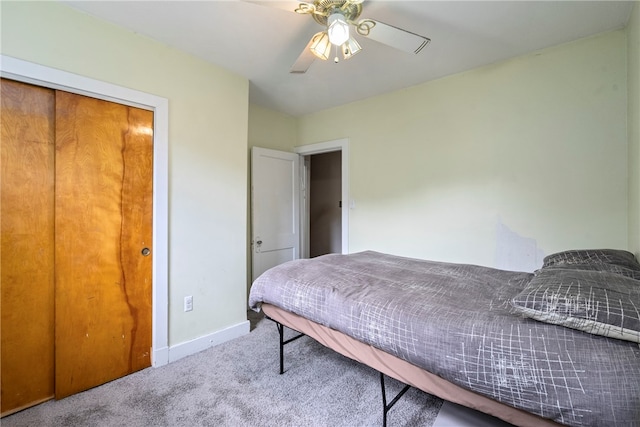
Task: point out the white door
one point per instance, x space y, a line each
275 208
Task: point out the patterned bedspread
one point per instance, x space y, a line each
456 321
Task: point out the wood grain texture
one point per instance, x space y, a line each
27 251
103 221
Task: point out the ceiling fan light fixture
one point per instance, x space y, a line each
350 48
338 28
320 45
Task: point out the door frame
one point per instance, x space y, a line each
40 75
341 145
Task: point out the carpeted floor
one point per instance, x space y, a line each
237 384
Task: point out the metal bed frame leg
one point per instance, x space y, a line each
281 334
385 407
280 327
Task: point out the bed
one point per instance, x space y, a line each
556 347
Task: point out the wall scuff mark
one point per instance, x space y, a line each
515 252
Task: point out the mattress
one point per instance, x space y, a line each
457 322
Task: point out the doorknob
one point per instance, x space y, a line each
145 252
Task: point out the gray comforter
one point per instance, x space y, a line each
456 321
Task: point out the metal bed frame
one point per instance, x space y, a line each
386 407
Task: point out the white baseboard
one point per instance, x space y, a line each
160 357
188 348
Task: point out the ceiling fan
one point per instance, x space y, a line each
337 16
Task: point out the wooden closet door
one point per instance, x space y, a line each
103 223
27 254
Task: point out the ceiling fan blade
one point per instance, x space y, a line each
403 40
304 61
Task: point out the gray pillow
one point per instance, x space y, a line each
597 266
597 302
588 256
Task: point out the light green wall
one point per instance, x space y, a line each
495 166
633 126
272 129
208 113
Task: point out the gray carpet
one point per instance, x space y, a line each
237 384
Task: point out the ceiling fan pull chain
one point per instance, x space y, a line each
336 60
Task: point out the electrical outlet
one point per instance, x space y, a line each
188 303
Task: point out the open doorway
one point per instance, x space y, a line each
324 198
324 202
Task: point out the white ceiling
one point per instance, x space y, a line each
260 40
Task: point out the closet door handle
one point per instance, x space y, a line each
145 252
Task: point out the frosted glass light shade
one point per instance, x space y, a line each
350 48
321 46
338 29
